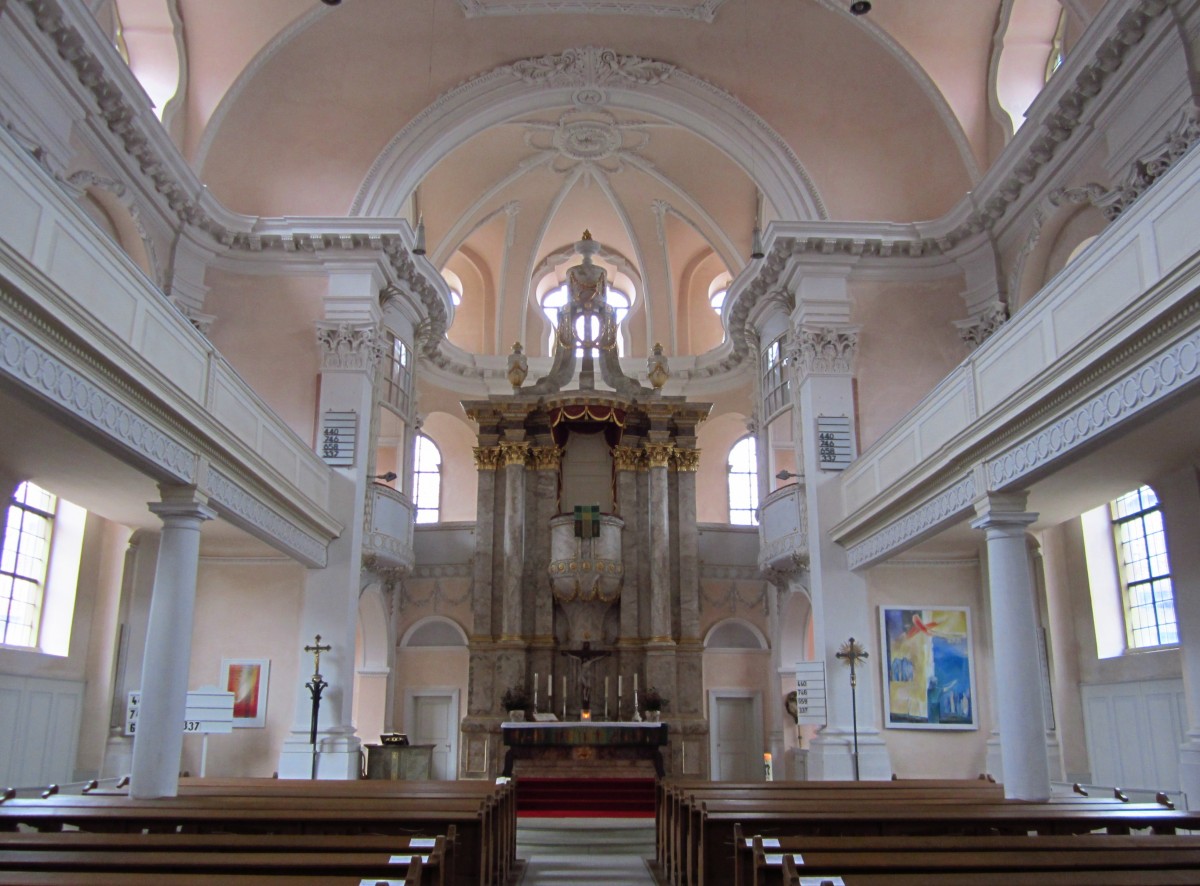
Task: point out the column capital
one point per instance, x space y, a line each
658 455
184 502
687 460
546 458
824 350
998 510
514 453
347 346
626 458
487 458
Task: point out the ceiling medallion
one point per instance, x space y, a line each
594 138
589 97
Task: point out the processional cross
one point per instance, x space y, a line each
851 653
315 687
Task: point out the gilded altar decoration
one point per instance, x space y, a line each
518 366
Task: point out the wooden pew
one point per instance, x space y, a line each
830 856
438 866
421 866
478 858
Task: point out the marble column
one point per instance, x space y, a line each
1179 494
1015 641
514 455
158 743
626 461
487 460
546 462
658 457
686 463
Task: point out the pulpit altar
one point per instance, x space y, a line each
582 750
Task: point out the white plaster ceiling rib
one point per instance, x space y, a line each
597 78
213 125
921 77
660 208
718 240
536 241
704 11
995 110
510 211
463 228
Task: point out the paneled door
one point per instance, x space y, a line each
434 720
736 738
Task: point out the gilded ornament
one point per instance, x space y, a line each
658 455
626 458
514 453
546 458
487 458
686 459
518 366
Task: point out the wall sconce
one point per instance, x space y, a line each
386 478
785 475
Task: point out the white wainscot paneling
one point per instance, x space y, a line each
1097 296
39 730
1134 731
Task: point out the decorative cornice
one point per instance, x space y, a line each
626 458
444 570
991 203
47 375
487 458
592 68
349 346
658 455
979 329
1144 172
232 498
514 453
1131 393
954 501
546 458
687 460
825 350
703 11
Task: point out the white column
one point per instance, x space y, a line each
1015 643
348 340
1179 494
158 743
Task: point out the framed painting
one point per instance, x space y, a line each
247 679
928 667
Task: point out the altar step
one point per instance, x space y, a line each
585 836
585 797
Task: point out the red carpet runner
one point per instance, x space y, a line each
585 797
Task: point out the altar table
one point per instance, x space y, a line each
584 742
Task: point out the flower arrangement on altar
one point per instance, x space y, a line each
515 701
652 700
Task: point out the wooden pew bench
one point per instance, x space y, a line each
709 856
423 865
478 858
760 862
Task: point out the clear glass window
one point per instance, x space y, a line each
427 480
556 299
743 482
774 379
26 553
1145 570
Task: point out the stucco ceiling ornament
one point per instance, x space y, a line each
592 138
978 329
591 67
699 11
826 350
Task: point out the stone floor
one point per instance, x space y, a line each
577 870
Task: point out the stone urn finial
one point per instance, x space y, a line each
518 366
657 368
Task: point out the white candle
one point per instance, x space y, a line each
549 686
564 695
619 678
635 681
535 676
606 690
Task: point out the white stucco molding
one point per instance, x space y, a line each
703 11
940 510
242 508
76 390
1152 380
588 76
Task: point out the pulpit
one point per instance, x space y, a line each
585 750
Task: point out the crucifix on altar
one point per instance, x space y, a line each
586 656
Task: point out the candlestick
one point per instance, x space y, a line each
768 775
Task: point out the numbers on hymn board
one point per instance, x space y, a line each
331 448
191 725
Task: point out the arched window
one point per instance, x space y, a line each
23 565
1145 570
743 482
427 480
554 300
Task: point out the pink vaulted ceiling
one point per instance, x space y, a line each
887 115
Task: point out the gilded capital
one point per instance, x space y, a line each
546 458
487 458
686 459
514 453
626 458
658 455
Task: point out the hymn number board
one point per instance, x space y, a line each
835 444
810 693
339 433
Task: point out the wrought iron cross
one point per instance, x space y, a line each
316 650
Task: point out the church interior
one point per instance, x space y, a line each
798 390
